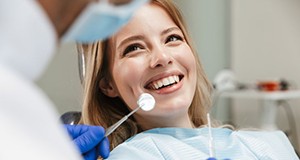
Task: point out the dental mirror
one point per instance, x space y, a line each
146 101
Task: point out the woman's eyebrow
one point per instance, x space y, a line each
140 37
131 38
166 31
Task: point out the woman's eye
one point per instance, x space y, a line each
172 38
131 48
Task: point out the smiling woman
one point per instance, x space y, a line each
153 54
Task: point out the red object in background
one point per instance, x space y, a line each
269 85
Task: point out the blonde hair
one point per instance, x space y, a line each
99 109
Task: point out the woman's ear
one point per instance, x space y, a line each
107 88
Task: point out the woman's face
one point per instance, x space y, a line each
150 55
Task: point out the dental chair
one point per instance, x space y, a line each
72 117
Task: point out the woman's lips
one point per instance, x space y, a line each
165 82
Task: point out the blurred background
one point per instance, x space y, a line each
256 39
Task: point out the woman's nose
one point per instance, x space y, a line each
160 57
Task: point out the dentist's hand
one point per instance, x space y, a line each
90 140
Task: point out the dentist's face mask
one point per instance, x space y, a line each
100 20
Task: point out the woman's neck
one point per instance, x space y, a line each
147 123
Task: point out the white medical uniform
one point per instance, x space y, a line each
193 144
29 124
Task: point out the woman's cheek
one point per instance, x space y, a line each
185 56
128 73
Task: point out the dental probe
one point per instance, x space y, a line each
146 101
210 144
211 141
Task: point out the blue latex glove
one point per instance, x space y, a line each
90 140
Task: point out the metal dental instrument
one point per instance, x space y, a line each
146 101
210 143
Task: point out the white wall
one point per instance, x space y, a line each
265 45
61 80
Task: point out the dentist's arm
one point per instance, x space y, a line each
90 140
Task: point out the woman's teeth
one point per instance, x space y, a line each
164 82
